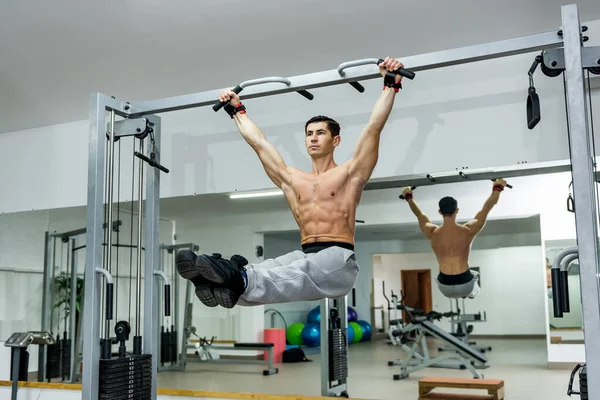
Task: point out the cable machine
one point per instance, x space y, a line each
140 119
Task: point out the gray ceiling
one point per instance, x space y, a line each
54 54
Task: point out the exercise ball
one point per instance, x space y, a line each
358 333
314 316
352 315
350 335
311 335
367 330
294 333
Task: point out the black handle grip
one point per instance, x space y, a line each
507 185
411 188
167 300
219 104
400 71
556 293
357 86
151 161
109 301
306 94
570 204
353 297
564 289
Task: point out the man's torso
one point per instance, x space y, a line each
324 205
452 245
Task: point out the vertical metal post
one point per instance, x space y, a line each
94 238
46 303
158 313
150 343
586 213
73 308
138 290
325 346
175 304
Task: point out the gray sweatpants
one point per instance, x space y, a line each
469 289
299 276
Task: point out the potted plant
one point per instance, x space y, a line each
62 289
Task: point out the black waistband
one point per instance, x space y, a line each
459 279
318 246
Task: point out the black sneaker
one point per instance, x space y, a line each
185 261
227 274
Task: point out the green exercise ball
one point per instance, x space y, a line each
358 333
294 334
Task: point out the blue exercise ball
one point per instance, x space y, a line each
367 330
311 335
314 316
352 315
350 335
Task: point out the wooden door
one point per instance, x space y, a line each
416 289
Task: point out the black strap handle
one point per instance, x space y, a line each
507 185
167 300
219 104
400 71
109 301
411 188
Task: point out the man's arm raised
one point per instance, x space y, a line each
270 158
366 153
424 222
476 224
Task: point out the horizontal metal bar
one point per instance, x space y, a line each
81 231
120 107
331 77
128 127
171 247
469 175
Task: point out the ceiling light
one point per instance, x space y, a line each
255 194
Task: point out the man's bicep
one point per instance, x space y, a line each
272 162
366 153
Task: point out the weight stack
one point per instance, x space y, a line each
126 378
338 354
53 359
66 359
583 383
174 355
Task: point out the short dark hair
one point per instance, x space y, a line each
332 124
448 206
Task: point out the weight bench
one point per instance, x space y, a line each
206 345
494 387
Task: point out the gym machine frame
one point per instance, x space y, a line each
179 363
582 167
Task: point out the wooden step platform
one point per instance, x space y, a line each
494 387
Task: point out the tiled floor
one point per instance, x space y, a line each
520 363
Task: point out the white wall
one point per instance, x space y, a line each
506 273
463 116
219 224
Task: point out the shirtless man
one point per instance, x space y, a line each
451 242
323 203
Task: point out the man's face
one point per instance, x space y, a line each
318 139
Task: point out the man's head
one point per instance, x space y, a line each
322 135
448 206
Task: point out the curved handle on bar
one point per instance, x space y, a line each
556 285
507 185
411 188
357 63
167 292
564 280
271 79
109 292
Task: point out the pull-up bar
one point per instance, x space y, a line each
363 71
